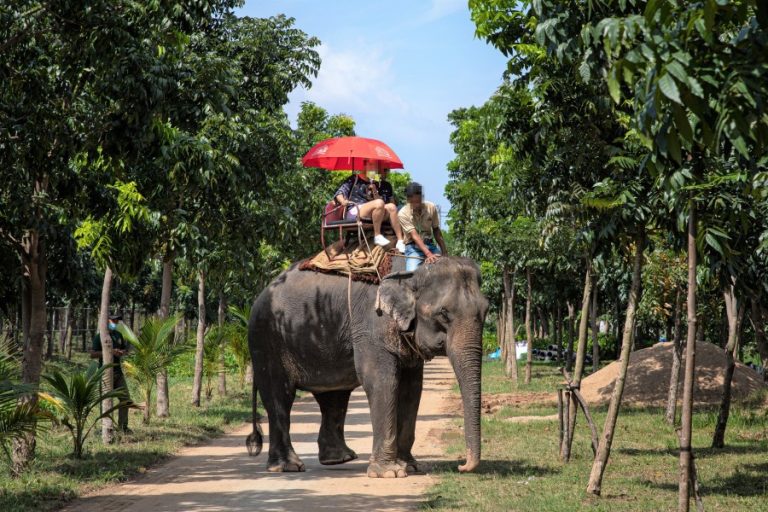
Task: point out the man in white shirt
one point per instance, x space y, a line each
420 222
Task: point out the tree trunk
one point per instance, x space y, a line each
49 335
500 326
528 333
595 337
199 347
134 326
571 335
734 309
107 429
87 332
758 321
604 449
686 455
509 325
573 407
63 323
163 399
559 330
249 373
541 321
35 267
222 355
147 408
68 333
677 355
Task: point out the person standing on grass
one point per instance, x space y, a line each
420 222
118 379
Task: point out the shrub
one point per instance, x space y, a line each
77 397
17 418
153 351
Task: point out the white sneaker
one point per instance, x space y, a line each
381 240
400 246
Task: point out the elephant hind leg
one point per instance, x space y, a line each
333 448
255 439
278 396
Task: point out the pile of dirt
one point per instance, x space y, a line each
648 377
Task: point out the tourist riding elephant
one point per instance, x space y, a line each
324 334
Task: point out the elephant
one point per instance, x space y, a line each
327 334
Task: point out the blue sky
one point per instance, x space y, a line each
398 67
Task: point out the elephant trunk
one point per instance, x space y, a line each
466 359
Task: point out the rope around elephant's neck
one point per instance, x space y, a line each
361 233
408 337
349 299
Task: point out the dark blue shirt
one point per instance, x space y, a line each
355 189
385 191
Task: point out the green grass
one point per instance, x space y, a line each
521 470
56 478
544 378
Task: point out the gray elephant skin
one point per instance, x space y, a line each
304 334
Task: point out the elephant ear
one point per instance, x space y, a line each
397 299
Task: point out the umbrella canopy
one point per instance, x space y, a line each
351 153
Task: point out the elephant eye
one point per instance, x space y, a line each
443 314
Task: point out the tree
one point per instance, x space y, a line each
82 94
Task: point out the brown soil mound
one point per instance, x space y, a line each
648 377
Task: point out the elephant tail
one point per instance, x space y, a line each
255 439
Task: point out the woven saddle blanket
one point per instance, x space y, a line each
365 262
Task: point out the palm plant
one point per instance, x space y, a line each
18 418
76 397
153 351
212 348
238 339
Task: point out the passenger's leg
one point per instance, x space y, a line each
394 220
375 210
412 257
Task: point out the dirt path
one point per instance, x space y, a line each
221 476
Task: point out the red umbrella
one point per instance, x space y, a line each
351 153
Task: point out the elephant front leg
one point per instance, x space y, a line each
382 399
408 399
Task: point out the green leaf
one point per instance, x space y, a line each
669 88
741 146
613 85
673 146
713 242
650 10
682 123
676 69
584 71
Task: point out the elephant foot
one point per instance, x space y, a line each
331 456
412 467
286 466
391 470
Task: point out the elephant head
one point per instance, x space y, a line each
443 306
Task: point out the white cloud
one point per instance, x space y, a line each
441 8
359 79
